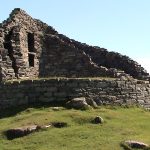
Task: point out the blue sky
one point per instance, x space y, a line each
117 25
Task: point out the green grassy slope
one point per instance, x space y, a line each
119 124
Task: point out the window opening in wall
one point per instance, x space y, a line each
31 42
8 46
31 52
31 60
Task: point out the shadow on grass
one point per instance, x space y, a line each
9 112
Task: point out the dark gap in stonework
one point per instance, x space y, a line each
31 42
8 46
31 60
31 52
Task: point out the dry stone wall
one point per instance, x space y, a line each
120 92
30 48
61 59
111 60
14 41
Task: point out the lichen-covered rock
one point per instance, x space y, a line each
25 130
98 120
78 103
91 102
136 144
20 132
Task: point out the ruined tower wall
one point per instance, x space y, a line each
59 58
6 70
19 25
31 48
118 61
102 57
50 59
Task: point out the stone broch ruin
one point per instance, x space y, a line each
31 49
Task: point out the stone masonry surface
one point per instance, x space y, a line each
117 92
30 48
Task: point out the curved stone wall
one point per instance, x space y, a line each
52 56
55 54
113 91
102 57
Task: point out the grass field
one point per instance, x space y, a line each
119 124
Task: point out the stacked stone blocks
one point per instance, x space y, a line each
114 92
